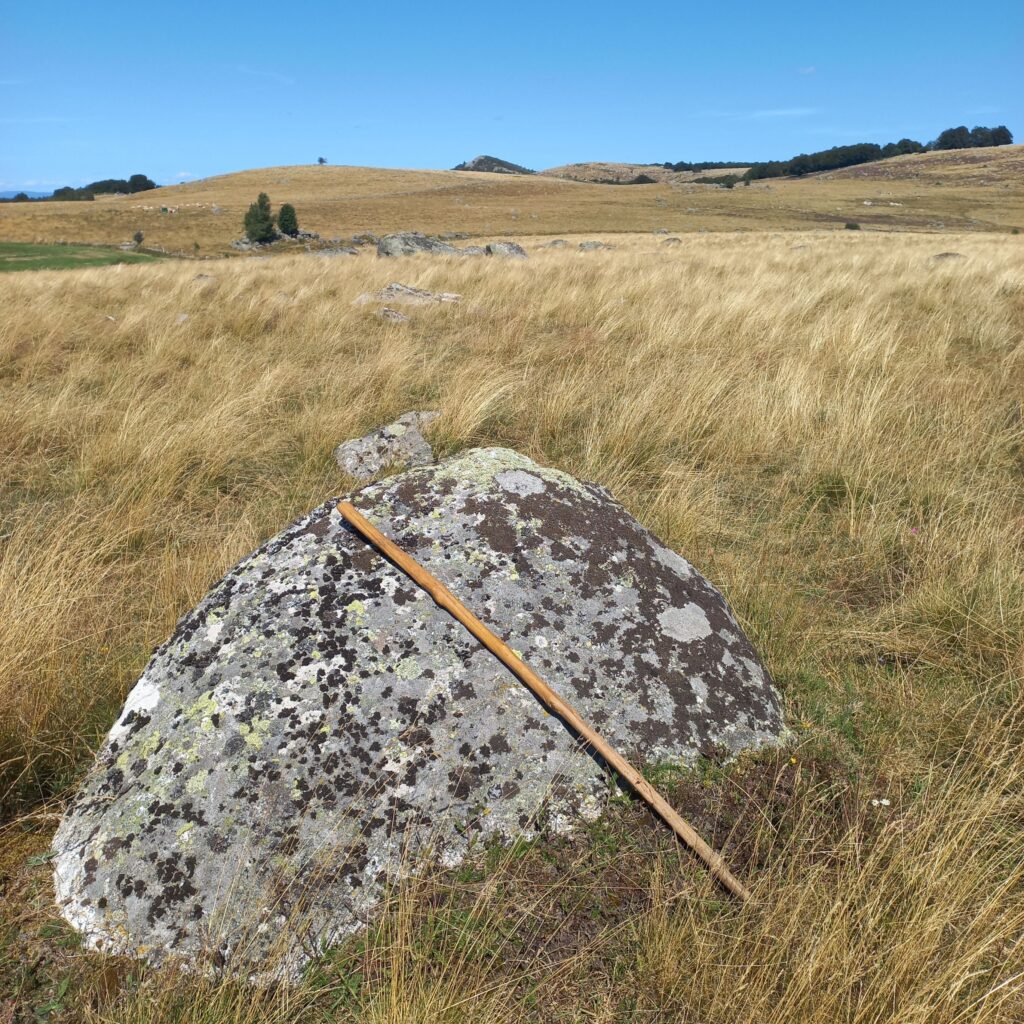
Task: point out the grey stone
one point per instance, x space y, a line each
473 250
661 231
386 313
406 295
407 243
949 256
366 238
672 240
316 727
590 246
508 250
555 243
399 443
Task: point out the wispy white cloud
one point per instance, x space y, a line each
182 175
812 70
271 76
756 115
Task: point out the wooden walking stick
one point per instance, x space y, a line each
451 604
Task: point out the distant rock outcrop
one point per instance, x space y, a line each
407 243
492 165
506 250
317 725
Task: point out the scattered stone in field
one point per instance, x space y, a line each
555 243
317 725
661 231
337 250
949 256
112 319
203 277
473 250
366 238
590 246
386 313
181 318
409 296
399 443
506 250
672 240
407 243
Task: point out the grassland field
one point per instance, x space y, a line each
829 424
963 190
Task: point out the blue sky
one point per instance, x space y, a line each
188 89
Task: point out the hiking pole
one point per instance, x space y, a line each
445 599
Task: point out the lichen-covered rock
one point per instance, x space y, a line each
591 246
400 443
507 250
316 725
407 243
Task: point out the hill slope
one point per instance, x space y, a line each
980 190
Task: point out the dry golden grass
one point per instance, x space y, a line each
934 191
829 425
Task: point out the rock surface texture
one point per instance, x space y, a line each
399 443
407 243
316 723
508 250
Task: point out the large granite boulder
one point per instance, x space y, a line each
316 725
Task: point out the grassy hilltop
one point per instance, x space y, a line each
828 424
969 190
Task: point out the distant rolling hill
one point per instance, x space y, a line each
622 174
969 190
492 165
11 193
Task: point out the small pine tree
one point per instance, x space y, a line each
287 222
138 237
259 221
321 160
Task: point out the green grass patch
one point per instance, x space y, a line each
27 256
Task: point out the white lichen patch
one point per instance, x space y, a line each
685 624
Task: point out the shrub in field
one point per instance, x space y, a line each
852 226
259 221
287 222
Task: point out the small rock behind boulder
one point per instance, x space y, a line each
591 246
399 443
